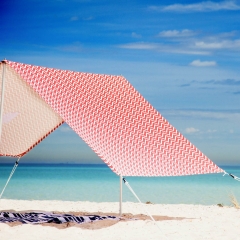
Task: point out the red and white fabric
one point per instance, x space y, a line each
126 132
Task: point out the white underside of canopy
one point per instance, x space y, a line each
27 119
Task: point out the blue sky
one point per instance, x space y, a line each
182 56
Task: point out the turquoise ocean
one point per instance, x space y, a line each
99 184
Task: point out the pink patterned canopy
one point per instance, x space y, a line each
126 132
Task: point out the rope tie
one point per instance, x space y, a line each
129 187
12 172
231 175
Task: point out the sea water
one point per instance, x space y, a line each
99 184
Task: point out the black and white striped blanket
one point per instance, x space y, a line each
48 217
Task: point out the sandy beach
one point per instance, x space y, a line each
173 221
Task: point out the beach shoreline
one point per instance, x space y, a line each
185 221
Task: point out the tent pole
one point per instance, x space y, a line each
2 98
120 197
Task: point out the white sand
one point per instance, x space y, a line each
201 222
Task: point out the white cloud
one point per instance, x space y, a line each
163 48
65 129
225 44
197 114
191 130
186 42
135 35
176 33
198 63
213 45
206 6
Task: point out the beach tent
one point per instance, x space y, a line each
124 130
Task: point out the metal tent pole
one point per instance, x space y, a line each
120 197
2 97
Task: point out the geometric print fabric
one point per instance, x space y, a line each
125 131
